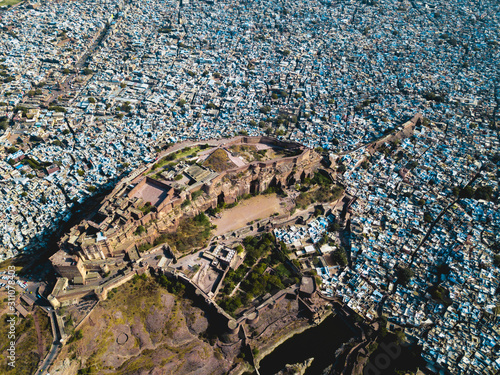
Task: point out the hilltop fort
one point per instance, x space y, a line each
206 177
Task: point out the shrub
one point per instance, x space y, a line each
140 229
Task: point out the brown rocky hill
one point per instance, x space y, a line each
143 329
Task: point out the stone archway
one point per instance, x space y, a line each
254 187
303 176
221 198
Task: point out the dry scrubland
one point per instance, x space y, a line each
34 338
219 161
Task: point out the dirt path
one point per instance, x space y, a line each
258 207
40 343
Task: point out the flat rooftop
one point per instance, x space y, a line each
152 192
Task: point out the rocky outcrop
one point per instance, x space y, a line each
296 369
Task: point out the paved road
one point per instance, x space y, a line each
56 345
48 360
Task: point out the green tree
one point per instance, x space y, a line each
496 260
483 192
265 109
405 274
341 168
140 230
467 192
339 256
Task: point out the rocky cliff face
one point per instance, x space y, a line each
296 369
252 179
257 177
